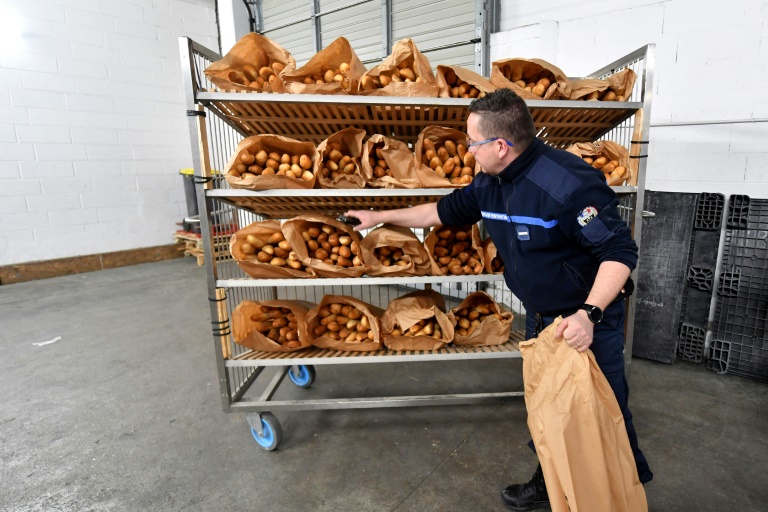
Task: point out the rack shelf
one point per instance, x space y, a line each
314 117
318 356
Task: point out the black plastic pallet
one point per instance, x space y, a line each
741 314
690 344
661 276
719 352
709 211
702 260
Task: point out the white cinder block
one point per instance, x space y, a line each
742 40
8 134
99 168
28 62
35 27
88 18
118 213
143 92
167 78
38 99
164 48
127 77
140 61
20 187
39 9
43 133
131 106
644 22
143 138
82 68
52 169
54 243
113 183
193 26
157 181
60 151
9 169
17 151
94 136
100 54
63 32
14 246
98 87
65 185
140 122
757 170
164 19
11 78
161 152
136 29
156 196
121 10
47 81
14 115
190 10
109 152
13 205
84 102
126 42
98 120
101 199
53 202
678 18
73 217
23 221
748 138
171 211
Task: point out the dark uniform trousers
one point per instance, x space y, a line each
608 348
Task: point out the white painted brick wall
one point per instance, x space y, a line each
711 66
92 125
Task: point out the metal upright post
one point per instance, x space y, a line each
386 27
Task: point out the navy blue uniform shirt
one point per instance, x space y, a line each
553 220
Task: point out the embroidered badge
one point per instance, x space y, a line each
586 215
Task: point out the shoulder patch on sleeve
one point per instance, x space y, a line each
554 179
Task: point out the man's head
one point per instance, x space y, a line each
503 116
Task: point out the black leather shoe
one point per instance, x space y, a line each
530 496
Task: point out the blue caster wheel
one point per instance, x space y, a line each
271 432
302 375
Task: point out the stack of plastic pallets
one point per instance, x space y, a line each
739 345
700 276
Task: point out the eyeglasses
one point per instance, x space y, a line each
486 141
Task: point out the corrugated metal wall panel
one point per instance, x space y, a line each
433 24
360 24
296 38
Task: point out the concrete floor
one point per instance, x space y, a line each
124 414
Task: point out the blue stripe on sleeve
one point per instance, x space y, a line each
533 221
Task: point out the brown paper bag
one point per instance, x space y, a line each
504 73
493 262
407 311
389 236
438 135
592 89
611 151
447 238
330 59
400 171
240 68
322 337
350 142
578 429
269 144
404 54
451 78
293 230
244 327
251 265
494 326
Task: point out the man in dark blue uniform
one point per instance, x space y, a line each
566 250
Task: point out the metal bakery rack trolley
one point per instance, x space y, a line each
219 120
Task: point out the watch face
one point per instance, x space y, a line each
596 315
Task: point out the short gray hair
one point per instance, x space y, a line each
504 114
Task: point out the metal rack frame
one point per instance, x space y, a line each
314 118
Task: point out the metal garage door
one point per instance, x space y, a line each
446 31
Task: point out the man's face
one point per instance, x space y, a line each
486 154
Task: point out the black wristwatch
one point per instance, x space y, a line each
594 313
